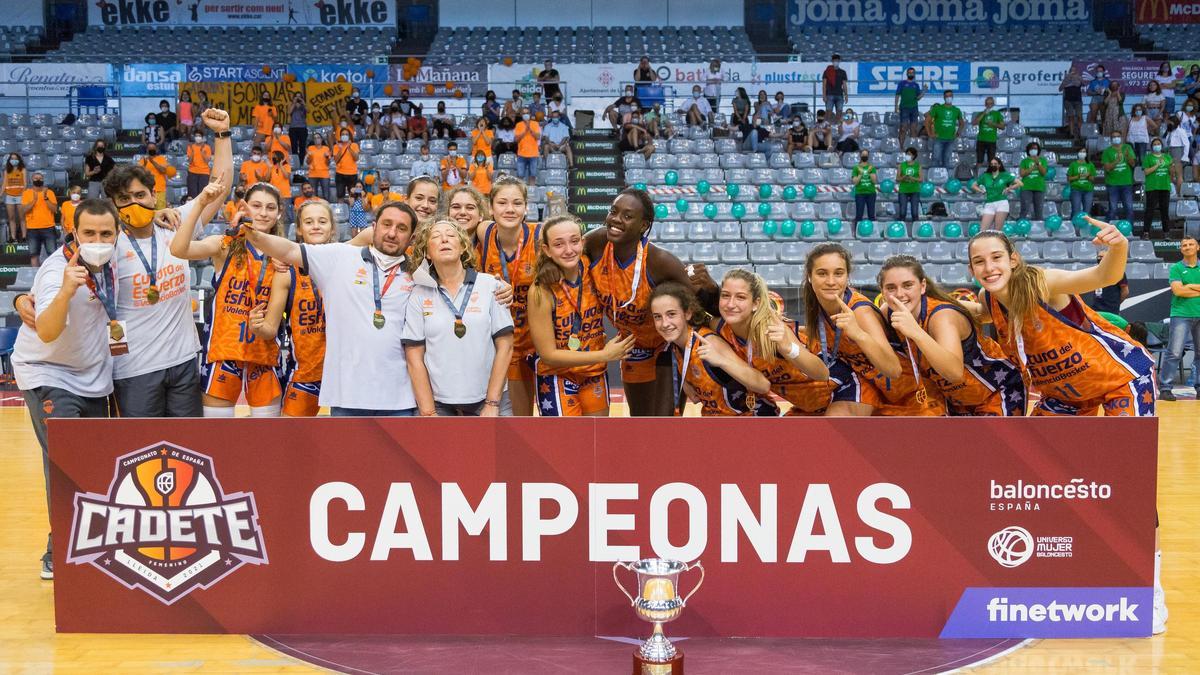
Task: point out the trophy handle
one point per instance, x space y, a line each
621 585
698 583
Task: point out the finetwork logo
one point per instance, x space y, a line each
1048 612
166 525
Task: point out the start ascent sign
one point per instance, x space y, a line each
807 527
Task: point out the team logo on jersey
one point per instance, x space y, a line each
166 525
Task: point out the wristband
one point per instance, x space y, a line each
223 134
494 404
794 351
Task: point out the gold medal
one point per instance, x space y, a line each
573 343
152 295
751 400
378 320
921 396
115 331
460 328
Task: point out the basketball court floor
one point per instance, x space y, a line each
28 643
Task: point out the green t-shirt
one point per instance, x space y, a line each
945 121
912 172
994 186
1080 175
1185 307
866 186
909 93
988 124
1122 173
1034 182
1160 180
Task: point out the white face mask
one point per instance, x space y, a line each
949 100
1116 140
452 153
384 260
96 254
525 117
1033 152
346 139
255 158
1082 154
76 197
278 130
198 139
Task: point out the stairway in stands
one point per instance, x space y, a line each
596 176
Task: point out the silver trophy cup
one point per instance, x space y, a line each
658 600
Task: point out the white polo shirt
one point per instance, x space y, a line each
78 360
364 365
702 106
459 368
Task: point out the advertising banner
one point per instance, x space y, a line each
1166 11
356 73
363 13
819 13
1133 75
882 77
51 79
1021 77
152 79
432 81
222 72
609 79
818 527
325 100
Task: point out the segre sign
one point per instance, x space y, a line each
881 78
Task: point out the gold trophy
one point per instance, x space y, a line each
658 602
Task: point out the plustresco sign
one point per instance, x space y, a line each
910 12
166 525
1022 496
267 12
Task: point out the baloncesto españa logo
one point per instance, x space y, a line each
166 525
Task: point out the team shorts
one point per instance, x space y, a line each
227 379
1135 399
857 389
992 208
519 369
639 366
560 396
300 399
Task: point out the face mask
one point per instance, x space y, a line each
266 101
38 182
255 158
912 158
1137 113
278 130
136 215
75 196
480 158
12 162
149 121
1116 140
797 124
198 139
100 151
152 152
695 94
1082 154
346 138
1156 148
96 254
1188 108
994 169
355 93
912 76
452 153
987 106
356 190
525 117
1099 73
1034 152
864 158
836 63
164 108
949 100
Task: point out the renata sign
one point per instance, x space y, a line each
906 12
270 12
1166 11
871 527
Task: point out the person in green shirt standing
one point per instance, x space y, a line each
1080 175
1118 160
908 93
1161 172
864 178
943 124
1185 314
1033 178
909 176
995 186
990 121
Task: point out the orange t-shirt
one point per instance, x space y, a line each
14 182
160 169
527 145
459 162
199 157
67 215
482 142
264 118
40 216
240 285
281 178
347 165
254 172
319 164
231 209
279 143
299 201
480 179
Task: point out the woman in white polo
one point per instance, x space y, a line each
995 186
457 338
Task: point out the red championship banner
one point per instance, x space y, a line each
805 527
1166 11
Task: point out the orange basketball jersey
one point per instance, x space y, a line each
846 350
516 270
240 285
577 312
718 393
807 396
306 324
627 308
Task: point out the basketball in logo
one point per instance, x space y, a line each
1011 546
166 526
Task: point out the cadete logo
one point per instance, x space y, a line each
166 525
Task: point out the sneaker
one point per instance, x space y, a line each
1166 395
1160 612
47 568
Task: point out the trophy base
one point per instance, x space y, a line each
674 666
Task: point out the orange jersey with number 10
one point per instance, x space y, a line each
306 324
240 285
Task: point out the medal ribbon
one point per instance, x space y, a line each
108 294
504 256
576 312
151 265
458 312
639 262
677 377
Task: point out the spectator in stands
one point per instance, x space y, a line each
202 104
1154 101
453 167
1165 79
14 187
636 138
557 138
491 109
506 139
798 138
1072 91
653 120
443 122
1140 129
1114 109
529 135
168 120
374 120
152 133
537 107
990 121
761 104
1185 314
644 73
1033 169
161 169
1109 298
697 109
754 133
67 210
96 165
834 87
741 108
481 173
317 158
281 176
943 124
548 78
387 193
779 112
1179 143
1081 176
298 126
909 176
514 105
255 169
482 138
822 132
407 107
418 126
39 206
620 111
1118 161
425 165
307 194
865 180
278 142
359 203
235 205
1189 121
263 115
345 126
356 108
1161 174
397 123
187 114
908 94
848 131
556 105
995 185
199 157
345 163
1097 90
712 85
